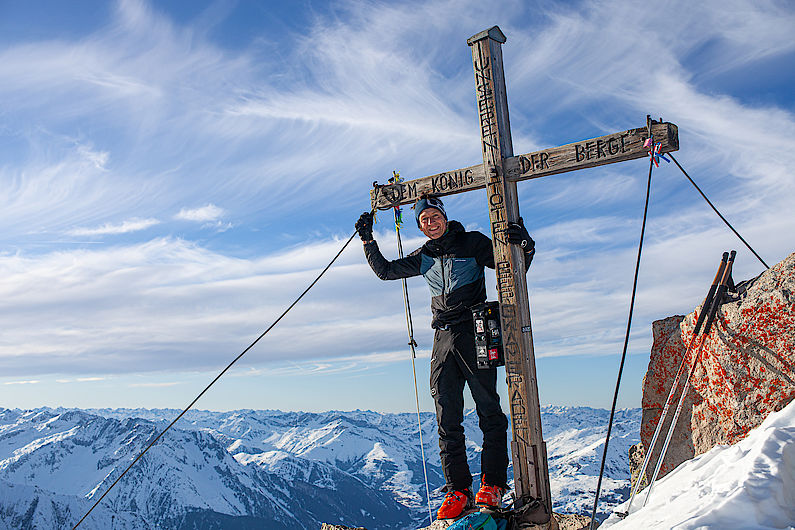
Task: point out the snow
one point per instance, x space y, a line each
37 444
747 485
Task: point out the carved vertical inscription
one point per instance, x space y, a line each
487 116
498 216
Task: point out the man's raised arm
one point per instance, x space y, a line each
382 267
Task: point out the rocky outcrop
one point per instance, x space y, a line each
745 371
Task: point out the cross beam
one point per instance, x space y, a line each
608 149
499 173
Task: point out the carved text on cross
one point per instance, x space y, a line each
608 149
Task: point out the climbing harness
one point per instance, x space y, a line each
705 308
412 343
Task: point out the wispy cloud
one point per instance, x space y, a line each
125 306
125 227
203 214
338 366
210 215
28 382
81 380
98 158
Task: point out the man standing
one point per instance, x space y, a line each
452 262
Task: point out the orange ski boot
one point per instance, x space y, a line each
489 496
455 503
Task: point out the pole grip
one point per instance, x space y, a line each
705 307
720 293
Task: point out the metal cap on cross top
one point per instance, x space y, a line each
493 33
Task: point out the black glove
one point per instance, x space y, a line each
517 234
365 226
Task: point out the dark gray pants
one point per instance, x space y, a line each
453 364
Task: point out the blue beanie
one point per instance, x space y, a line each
428 202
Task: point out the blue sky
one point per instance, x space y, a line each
174 174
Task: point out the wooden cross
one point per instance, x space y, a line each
499 173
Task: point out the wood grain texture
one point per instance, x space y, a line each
608 149
531 477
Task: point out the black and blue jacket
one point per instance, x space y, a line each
453 267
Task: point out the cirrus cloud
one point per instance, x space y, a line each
125 227
204 214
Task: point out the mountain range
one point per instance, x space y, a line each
270 469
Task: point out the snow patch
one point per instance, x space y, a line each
747 485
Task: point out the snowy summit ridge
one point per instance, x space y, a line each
749 485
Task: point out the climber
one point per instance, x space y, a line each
452 262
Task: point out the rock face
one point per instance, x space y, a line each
745 371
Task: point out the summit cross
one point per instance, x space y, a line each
499 173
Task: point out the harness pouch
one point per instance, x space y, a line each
488 338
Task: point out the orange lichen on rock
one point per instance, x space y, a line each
745 369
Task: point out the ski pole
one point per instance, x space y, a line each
716 302
705 306
412 343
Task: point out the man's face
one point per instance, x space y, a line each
432 223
